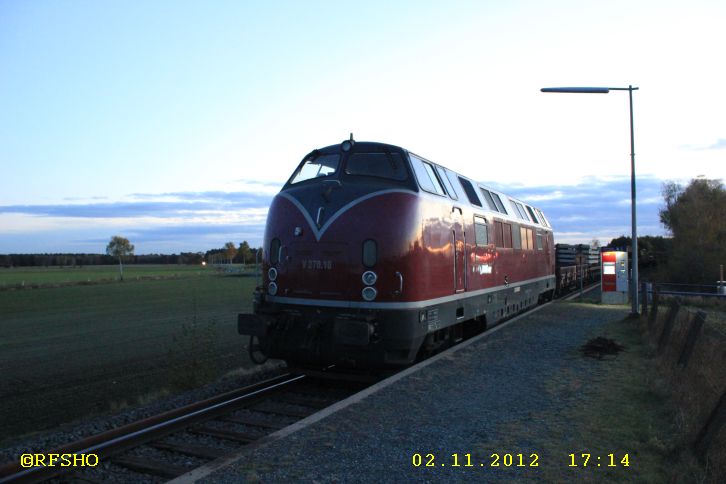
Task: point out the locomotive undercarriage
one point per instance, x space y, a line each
374 338
475 314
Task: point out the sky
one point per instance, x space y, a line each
174 123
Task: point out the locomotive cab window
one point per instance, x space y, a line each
381 165
316 166
427 178
481 232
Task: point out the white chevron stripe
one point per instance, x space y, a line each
319 232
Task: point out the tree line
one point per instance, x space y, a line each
80 260
236 254
652 250
695 218
231 254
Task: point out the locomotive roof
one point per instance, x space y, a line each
507 201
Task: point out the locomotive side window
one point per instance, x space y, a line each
481 232
516 209
526 235
542 218
516 237
447 183
520 210
316 166
507 233
434 178
470 192
530 239
539 240
525 216
454 184
488 198
500 205
427 179
382 165
498 234
531 213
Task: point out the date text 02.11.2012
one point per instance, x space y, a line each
466 460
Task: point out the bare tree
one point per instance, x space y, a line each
120 247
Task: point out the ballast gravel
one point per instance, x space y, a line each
71 432
459 404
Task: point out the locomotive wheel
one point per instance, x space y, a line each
256 354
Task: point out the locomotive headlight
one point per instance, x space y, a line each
369 293
272 274
369 278
272 289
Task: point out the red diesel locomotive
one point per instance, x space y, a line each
374 256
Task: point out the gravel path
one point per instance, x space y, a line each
459 404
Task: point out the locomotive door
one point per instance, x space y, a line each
459 242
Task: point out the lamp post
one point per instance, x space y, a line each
634 232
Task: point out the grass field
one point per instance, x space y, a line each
59 275
70 351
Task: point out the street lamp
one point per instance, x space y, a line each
634 232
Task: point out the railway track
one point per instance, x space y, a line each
176 442
168 445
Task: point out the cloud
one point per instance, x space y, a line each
165 205
155 222
720 144
198 230
572 218
554 195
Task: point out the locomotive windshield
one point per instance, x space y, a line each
382 165
316 166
